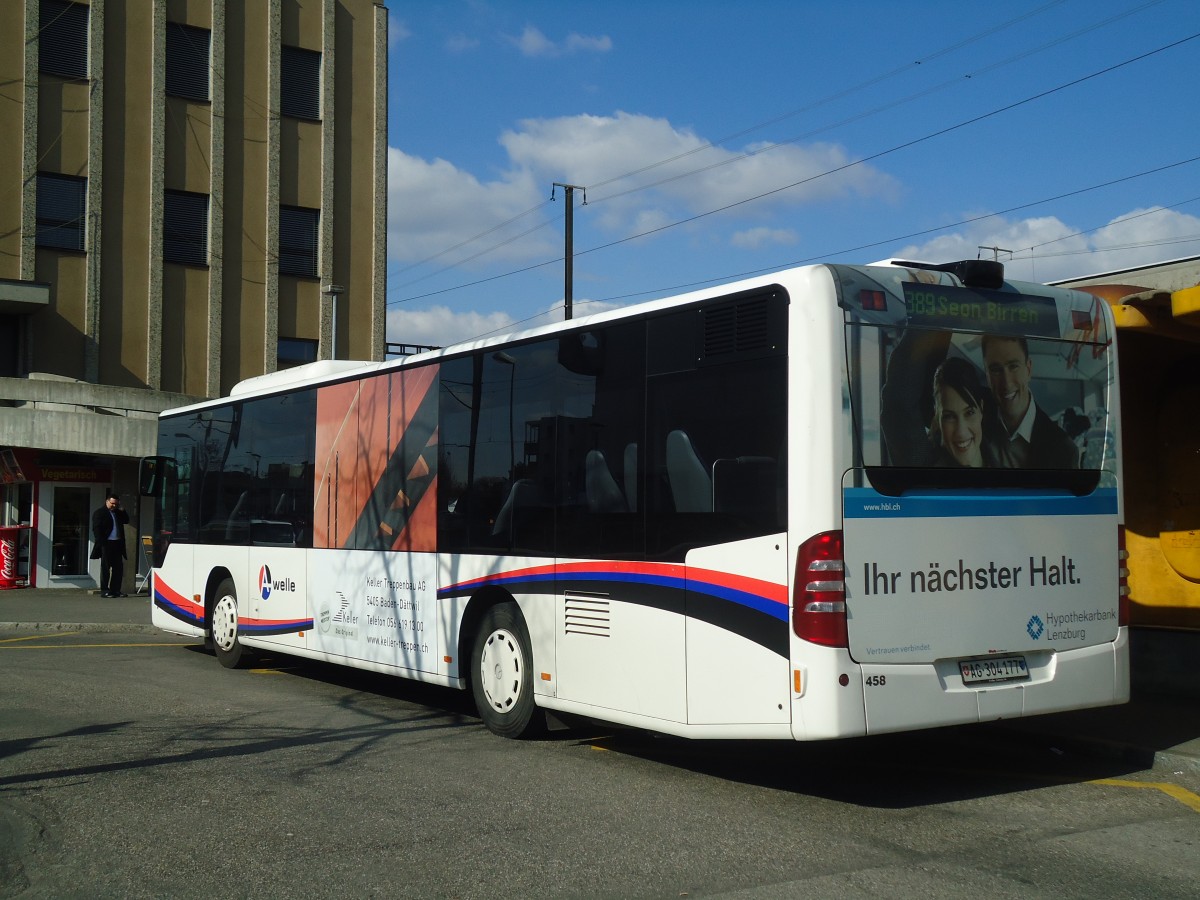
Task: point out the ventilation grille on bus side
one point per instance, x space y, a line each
586 614
737 328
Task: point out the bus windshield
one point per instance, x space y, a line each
955 386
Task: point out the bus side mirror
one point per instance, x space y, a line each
151 474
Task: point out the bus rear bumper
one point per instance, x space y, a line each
901 698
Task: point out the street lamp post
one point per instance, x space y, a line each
333 291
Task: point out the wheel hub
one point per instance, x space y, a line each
500 670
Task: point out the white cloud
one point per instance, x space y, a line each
1048 249
588 149
398 32
533 43
753 238
433 207
1145 236
593 307
440 326
649 220
436 209
582 42
461 43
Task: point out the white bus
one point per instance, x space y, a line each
833 501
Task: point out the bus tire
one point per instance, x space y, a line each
502 674
224 626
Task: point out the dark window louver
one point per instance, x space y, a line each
298 241
752 331
294 352
185 228
300 83
61 208
63 38
188 50
737 328
720 331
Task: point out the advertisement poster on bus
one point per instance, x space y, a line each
382 609
375 490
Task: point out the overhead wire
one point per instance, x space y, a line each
887 107
712 144
612 301
904 145
665 291
483 252
894 239
837 95
857 162
472 239
708 145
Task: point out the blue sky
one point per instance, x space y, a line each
719 140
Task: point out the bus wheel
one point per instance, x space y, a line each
502 674
225 626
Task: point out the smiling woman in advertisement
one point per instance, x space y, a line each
964 418
964 428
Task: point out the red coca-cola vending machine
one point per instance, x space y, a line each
14 556
16 503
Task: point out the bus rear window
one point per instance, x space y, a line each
953 386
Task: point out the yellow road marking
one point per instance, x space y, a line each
1188 798
38 637
1183 795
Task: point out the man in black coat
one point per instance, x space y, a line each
108 534
1035 442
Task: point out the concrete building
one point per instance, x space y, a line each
194 192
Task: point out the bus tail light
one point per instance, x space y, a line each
873 301
819 602
1122 578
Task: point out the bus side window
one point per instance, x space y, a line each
598 424
746 487
715 445
630 476
691 484
603 495
497 433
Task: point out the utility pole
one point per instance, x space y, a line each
569 251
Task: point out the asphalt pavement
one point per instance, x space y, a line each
1158 729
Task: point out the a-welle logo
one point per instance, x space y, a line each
266 584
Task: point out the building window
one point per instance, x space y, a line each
63 38
187 61
185 228
300 83
298 241
294 352
61 205
10 355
